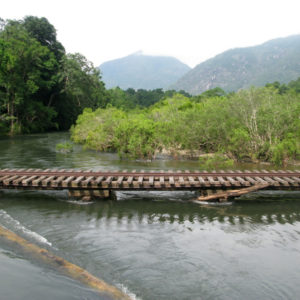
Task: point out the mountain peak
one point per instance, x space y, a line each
239 68
140 71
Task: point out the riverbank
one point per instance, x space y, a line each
239 127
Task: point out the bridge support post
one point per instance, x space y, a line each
88 195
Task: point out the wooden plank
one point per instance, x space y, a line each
57 181
9 180
140 181
151 180
161 180
106 183
289 180
97 182
118 182
192 181
232 193
201 180
250 179
242 181
171 179
47 180
222 181
232 181
26 182
294 178
269 179
181 181
259 178
76 182
128 183
187 182
67 181
37 181
18 180
87 181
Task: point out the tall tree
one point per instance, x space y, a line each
25 68
81 87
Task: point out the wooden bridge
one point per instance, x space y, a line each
89 184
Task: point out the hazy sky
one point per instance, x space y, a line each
191 30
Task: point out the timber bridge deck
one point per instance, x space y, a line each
100 184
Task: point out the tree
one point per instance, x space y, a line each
25 68
45 33
81 87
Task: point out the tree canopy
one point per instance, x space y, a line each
41 87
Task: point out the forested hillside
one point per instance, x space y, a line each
140 71
276 60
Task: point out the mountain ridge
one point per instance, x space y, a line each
238 68
140 71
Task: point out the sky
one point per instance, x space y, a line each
190 30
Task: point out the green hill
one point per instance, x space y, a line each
140 71
275 60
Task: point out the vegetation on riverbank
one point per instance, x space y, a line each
254 124
43 88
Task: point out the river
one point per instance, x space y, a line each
152 245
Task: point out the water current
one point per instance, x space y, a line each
152 245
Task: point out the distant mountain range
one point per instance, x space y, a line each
275 60
140 71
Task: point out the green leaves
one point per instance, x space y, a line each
255 123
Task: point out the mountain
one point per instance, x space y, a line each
275 60
140 71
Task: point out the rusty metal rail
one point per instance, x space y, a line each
76 173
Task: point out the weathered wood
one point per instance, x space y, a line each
67 181
57 181
232 193
96 183
202 181
19 179
270 180
289 180
87 181
25 182
128 183
9 180
37 181
107 182
76 183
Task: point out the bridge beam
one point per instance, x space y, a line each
88 195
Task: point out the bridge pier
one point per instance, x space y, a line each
88 195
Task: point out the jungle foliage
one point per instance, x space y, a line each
254 124
41 87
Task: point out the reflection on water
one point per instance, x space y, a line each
158 245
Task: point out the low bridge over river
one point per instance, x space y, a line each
214 185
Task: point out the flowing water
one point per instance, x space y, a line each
152 245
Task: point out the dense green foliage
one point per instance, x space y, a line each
140 71
253 124
275 60
131 98
41 87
